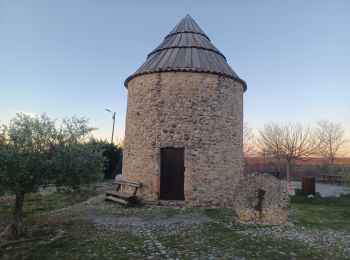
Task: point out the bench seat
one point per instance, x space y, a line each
123 197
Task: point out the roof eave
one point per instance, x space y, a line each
244 84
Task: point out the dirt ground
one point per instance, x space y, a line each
154 224
96 229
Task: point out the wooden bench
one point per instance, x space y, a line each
123 197
322 180
332 178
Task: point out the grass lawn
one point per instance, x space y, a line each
89 231
322 213
39 203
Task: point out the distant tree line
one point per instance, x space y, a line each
290 142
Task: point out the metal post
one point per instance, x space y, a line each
113 117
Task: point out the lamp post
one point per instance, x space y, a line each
113 117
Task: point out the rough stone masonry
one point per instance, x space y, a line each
262 198
198 111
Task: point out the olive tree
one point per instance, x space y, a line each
76 160
332 140
34 153
25 156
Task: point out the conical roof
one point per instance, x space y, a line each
186 48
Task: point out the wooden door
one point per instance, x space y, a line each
172 174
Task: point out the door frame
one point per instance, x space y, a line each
176 147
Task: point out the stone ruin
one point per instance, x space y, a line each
262 198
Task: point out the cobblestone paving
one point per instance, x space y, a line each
189 233
150 242
336 241
320 239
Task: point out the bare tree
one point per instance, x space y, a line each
248 139
269 141
248 145
332 140
290 141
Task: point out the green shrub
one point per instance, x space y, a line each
113 160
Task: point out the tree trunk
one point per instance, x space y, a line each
19 206
279 164
246 165
16 228
332 166
288 170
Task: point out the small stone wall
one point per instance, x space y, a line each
262 198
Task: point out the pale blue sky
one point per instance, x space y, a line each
70 58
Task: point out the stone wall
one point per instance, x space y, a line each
198 111
262 198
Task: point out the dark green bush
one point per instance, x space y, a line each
113 157
113 160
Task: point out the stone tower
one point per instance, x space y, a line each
183 136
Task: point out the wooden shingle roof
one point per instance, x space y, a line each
186 48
